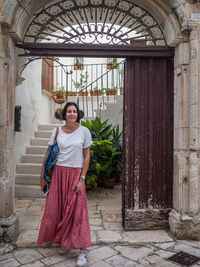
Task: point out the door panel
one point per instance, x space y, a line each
148 139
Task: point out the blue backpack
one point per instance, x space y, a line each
51 158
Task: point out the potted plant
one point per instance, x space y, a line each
109 65
79 85
78 66
111 91
70 93
58 113
95 92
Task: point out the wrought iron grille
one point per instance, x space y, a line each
94 21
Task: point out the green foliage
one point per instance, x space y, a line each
82 82
99 130
106 150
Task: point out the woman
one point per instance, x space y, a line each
65 219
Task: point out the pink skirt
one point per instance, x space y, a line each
65 219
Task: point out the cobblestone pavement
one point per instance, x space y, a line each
112 246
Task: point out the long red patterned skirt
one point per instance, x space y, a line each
65 219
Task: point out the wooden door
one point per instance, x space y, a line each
148 142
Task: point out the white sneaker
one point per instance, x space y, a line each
82 260
63 250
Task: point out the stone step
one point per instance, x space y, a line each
25 179
40 150
28 191
32 158
43 134
28 168
39 141
47 127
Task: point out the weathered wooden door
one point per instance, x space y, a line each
148 142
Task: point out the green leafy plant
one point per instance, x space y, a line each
79 85
106 151
113 89
99 130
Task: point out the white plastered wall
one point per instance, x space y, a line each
36 107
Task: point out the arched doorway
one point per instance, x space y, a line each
107 23
149 8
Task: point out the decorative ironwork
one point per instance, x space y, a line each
94 21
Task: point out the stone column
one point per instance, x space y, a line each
184 219
8 219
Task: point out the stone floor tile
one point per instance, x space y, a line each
34 264
9 263
113 226
108 237
111 216
187 249
191 243
67 263
164 254
102 264
100 253
132 253
96 227
5 248
117 261
54 259
27 239
165 245
156 261
27 255
46 252
134 264
93 238
146 236
95 221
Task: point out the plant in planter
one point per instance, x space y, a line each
70 93
106 151
109 65
99 130
78 66
58 113
95 92
111 91
59 96
79 85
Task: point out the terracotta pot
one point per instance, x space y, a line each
114 67
81 68
58 116
109 67
109 182
83 93
71 94
111 93
121 90
95 93
76 67
60 95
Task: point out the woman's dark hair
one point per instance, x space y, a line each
64 111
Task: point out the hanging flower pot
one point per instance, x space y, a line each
58 114
83 93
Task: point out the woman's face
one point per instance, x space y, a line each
71 114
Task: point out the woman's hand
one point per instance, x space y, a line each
79 187
43 182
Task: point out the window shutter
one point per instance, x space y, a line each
47 74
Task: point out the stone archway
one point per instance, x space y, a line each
14 21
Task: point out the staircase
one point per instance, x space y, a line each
27 177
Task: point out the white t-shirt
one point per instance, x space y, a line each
71 146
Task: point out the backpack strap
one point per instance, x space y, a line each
55 139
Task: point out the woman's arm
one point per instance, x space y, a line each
43 182
86 155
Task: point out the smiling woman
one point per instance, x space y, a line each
65 219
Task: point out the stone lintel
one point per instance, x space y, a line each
184 226
8 229
146 219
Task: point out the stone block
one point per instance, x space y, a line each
9 228
182 55
184 226
27 255
132 237
133 253
108 237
